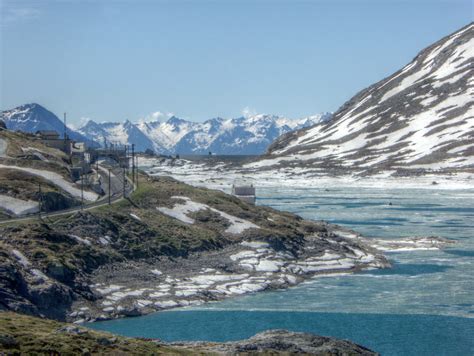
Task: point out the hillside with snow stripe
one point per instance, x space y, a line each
244 135
421 117
33 175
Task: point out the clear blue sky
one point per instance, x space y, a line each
116 60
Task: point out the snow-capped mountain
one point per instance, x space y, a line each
244 135
421 117
34 117
165 135
249 135
117 133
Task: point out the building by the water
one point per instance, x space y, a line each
244 192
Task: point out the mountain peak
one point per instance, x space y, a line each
34 117
175 120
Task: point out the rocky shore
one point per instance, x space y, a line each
129 289
283 342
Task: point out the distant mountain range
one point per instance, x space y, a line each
421 117
244 135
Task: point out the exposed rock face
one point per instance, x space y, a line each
53 201
286 342
421 117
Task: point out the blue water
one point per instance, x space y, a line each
424 305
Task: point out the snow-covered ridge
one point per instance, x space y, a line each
56 179
244 135
420 117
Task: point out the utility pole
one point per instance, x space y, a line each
127 159
137 172
82 188
40 200
124 183
65 128
109 187
133 163
65 134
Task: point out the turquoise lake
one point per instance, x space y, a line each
424 305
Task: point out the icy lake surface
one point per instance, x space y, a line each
423 306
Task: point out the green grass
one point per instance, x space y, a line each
26 335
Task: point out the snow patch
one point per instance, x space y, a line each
180 211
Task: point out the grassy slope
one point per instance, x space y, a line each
21 334
49 246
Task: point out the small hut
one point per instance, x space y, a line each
245 192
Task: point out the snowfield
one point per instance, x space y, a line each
215 177
18 206
57 180
180 211
3 147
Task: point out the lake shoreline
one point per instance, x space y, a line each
135 289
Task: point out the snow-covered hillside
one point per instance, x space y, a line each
34 117
421 117
245 135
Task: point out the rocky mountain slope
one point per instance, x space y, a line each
421 117
34 117
21 334
244 135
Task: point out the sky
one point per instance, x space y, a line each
143 59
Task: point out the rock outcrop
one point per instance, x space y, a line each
285 342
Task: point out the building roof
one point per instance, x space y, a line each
47 133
